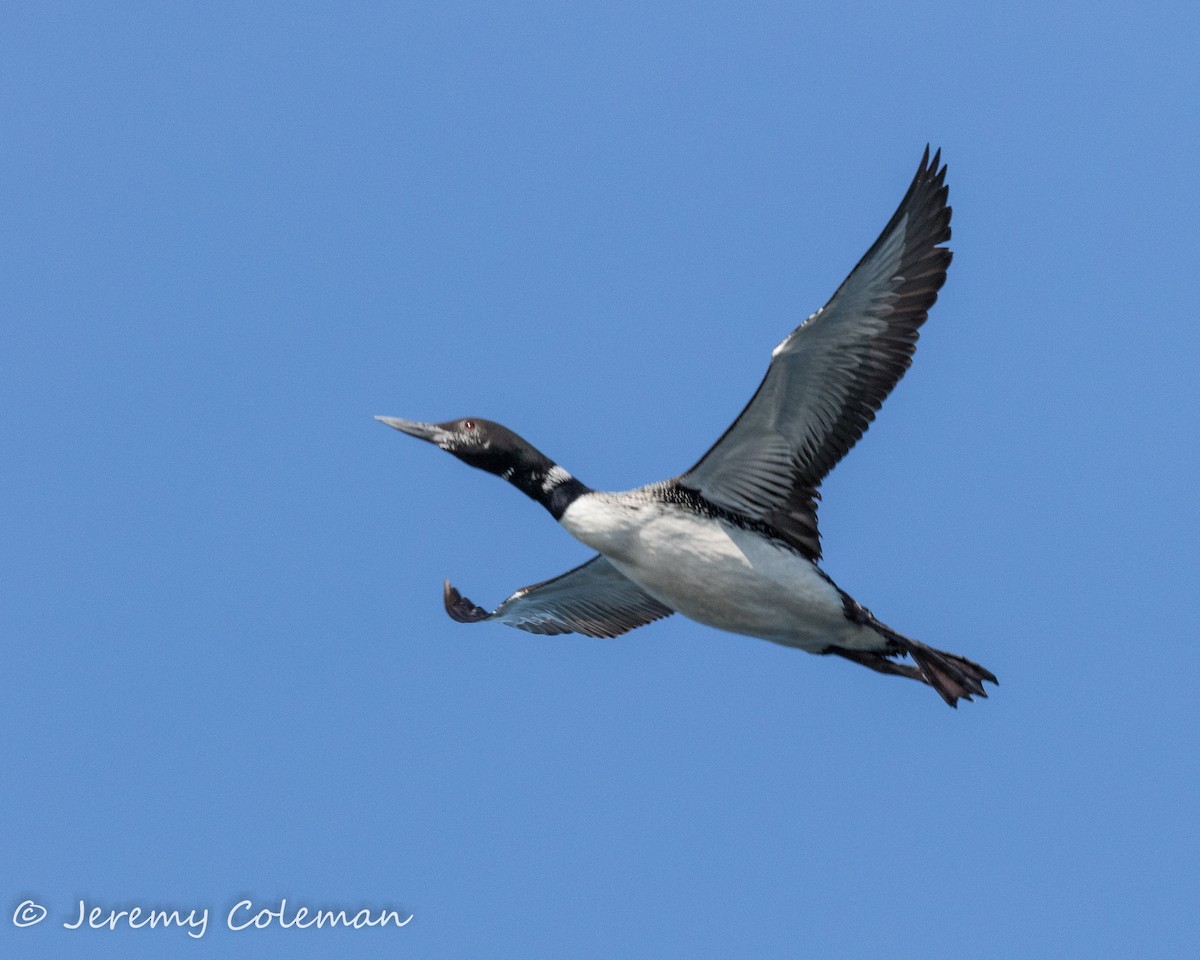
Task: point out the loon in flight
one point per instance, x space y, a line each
733 541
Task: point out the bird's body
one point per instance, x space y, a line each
733 542
715 571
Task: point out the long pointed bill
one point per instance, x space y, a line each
414 428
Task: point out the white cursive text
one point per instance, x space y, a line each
135 918
244 916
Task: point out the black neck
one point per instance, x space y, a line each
526 468
548 484
563 495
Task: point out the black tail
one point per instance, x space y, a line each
954 677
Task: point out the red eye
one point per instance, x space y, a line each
468 424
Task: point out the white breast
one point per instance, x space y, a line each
715 572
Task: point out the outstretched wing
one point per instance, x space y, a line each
595 599
829 377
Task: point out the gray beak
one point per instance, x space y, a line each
414 428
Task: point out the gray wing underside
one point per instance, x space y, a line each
828 378
595 599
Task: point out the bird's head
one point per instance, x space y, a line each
480 443
492 447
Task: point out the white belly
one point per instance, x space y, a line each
716 573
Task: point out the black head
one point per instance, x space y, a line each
481 443
492 447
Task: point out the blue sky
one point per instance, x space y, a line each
232 233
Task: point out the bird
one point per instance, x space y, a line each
733 542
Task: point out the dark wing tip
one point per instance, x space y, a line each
460 608
931 167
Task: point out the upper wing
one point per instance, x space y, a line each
832 373
595 599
